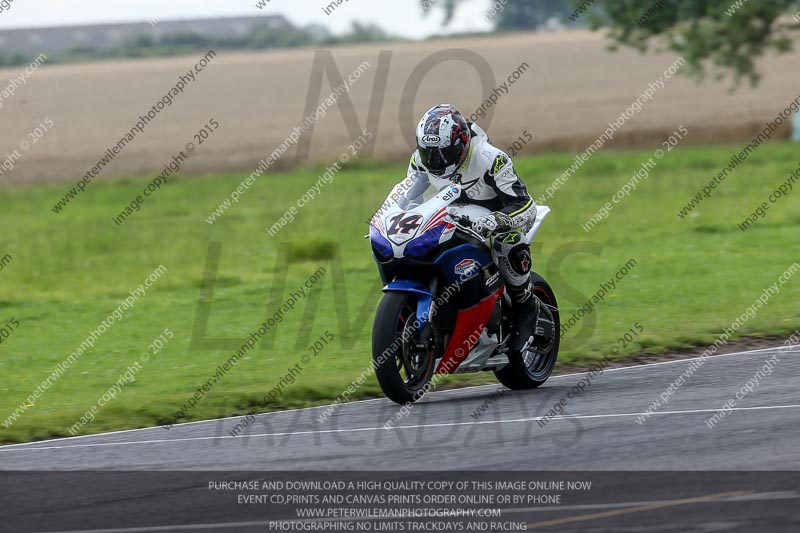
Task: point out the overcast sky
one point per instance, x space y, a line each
399 17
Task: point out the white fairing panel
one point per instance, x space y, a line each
541 213
421 219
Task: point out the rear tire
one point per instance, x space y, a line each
402 371
526 371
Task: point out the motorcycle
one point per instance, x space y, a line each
444 309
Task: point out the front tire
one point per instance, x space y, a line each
531 369
403 369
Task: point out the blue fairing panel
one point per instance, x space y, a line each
462 262
423 293
379 242
420 246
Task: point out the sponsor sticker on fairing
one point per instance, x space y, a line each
465 267
452 193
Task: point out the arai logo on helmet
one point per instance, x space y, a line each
431 140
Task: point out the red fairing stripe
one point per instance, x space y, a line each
378 223
435 220
469 325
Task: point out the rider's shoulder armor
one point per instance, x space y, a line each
485 161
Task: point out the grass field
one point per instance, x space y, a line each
68 272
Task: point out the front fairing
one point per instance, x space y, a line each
413 233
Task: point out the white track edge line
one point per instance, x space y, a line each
151 428
395 428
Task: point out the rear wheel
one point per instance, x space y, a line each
530 369
403 362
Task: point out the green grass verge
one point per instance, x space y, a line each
69 271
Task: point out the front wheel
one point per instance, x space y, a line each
403 362
530 369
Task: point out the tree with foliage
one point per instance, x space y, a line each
728 35
509 14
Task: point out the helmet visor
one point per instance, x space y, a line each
436 159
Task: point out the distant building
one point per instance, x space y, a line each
54 40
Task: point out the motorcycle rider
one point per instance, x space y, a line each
452 150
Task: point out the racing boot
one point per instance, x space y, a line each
523 315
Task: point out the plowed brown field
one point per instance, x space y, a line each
572 90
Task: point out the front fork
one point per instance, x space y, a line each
423 294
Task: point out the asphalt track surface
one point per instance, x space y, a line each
598 437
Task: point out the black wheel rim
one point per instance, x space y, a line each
413 363
538 359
